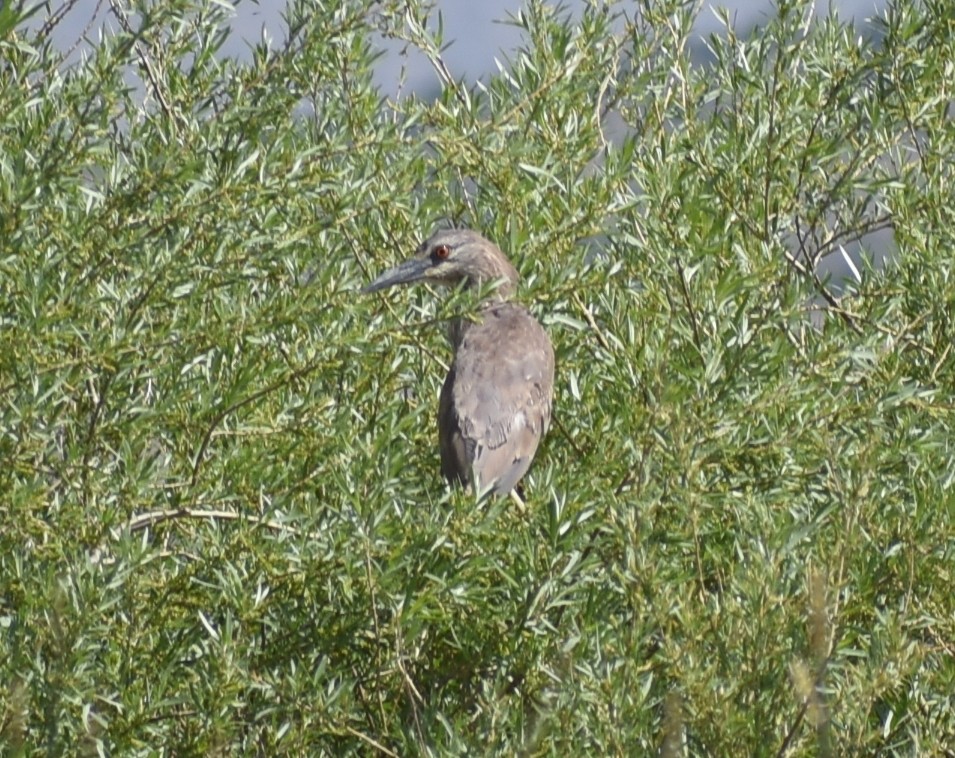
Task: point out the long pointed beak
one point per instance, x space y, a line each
410 271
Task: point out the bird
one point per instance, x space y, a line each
496 401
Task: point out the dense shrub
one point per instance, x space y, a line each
223 526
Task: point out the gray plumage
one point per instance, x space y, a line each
495 404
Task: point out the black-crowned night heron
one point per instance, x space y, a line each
495 404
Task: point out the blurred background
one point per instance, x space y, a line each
476 34
478 38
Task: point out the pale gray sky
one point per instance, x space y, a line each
475 33
473 28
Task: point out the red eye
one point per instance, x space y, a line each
441 252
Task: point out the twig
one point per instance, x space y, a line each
373 602
831 299
370 741
146 63
152 518
207 437
414 696
555 420
604 342
685 289
55 18
521 505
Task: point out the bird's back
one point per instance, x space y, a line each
495 405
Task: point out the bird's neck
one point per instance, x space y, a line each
505 289
458 327
504 286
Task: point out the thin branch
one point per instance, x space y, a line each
257 395
151 74
604 342
685 289
373 602
370 741
152 518
55 18
823 291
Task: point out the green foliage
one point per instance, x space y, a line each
223 527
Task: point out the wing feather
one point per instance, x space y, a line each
495 405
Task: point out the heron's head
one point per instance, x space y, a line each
451 256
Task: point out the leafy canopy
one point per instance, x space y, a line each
222 527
